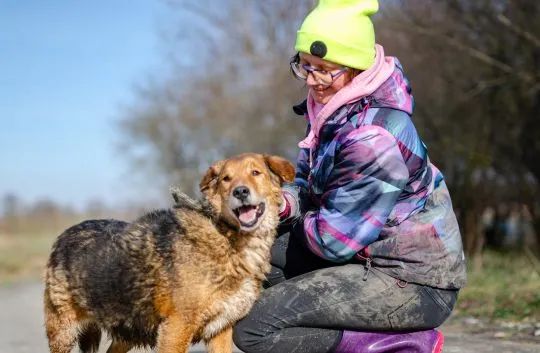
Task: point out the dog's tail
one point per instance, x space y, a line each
89 339
204 206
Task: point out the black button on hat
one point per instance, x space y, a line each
318 48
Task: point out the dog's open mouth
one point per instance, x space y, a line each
248 215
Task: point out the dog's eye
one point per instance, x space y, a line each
255 172
226 178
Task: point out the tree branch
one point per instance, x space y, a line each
477 54
481 86
505 21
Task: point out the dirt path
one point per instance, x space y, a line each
21 327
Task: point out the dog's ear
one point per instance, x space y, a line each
210 176
281 167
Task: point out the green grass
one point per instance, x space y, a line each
507 288
23 256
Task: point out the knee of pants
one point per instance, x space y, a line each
252 334
242 337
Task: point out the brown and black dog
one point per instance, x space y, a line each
172 277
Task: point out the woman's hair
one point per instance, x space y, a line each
294 59
355 72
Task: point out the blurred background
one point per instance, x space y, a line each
104 104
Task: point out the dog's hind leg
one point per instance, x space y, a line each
221 343
119 347
174 335
62 331
89 338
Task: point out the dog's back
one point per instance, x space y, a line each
108 269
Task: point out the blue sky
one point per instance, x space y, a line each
65 68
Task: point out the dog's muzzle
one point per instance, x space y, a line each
245 208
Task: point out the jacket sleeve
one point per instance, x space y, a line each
302 169
368 176
295 195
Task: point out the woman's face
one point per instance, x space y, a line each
322 94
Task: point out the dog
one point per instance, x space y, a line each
172 277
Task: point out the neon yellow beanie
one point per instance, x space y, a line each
340 31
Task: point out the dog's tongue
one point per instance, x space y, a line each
247 214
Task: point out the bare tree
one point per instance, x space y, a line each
235 96
475 73
11 212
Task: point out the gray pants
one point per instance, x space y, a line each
310 302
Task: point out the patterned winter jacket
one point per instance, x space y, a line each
372 193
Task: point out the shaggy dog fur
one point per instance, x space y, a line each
171 277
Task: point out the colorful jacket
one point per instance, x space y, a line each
370 191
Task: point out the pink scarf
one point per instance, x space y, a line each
362 85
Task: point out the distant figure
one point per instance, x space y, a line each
488 226
512 227
528 236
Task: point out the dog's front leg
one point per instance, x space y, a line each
221 343
174 335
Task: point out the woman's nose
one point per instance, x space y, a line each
310 80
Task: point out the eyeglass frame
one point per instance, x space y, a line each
311 69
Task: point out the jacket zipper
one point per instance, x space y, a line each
368 268
367 265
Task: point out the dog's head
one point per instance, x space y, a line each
246 189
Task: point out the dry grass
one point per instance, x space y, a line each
507 288
23 256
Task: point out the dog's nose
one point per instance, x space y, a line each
241 192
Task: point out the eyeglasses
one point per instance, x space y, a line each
323 77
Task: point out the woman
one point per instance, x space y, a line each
371 259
